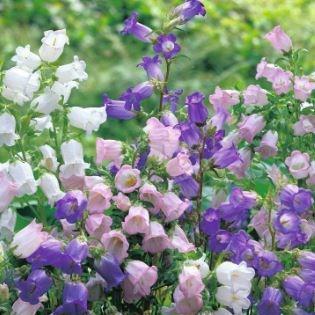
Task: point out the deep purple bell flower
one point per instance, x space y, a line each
108 267
172 97
270 302
134 96
210 222
287 221
142 160
36 284
74 254
267 264
219 242
74 300
138 30
71 207
166 45
197 111
307 260
213 144
188 10
237 245
116 109
225 156
242 199
189 187
152 66
308 275
190 133
48 254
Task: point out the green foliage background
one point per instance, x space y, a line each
221 49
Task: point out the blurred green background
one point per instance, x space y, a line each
221 49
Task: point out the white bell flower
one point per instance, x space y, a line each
22 174
235 299
200 264
88 119
41 123
7 223
72 71
26 59
47 102
49 160
50 187
222 311
53 44
236 276
7 130
64 89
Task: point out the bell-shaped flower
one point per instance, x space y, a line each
49 160
97 224
137 221
41 123
279 39
72 71
50 186
26 59
7 130
46 102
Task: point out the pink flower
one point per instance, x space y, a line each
8 190
137 221
99 198
282 81
173 207
180 242
276 176
266 70
190 281
141 278
68 229
298 164
156 240
27 241
187 306
255 95
306 124
303 88
122 202
251 126
108 150
179 165
260 223
164 141
91 181
149 193
240 166
98 224
222 100
24 308
279 39
311 173
127 179
268 144
73 182
116 243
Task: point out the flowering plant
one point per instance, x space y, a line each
210 210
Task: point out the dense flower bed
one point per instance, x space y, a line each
210 210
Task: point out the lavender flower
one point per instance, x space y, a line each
219 241
189 133
188 10
210 222
270 302
197 111
188 185
172 97
166 44
287 221
268 264
213 144
152 66
226 156
116 109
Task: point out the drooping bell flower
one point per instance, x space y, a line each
36 284
287 221
26 59
279 39
240 166
268 144
138 30
149 193
222 100
188 10
189 187
180 242
190 281
7 130
179 165
197 111
152 66
225 156
255 95
50 187
137 221
307 260
210 222
270 302
190 133
97 224
267 264
298 164
172 206
166 45
116 109
108 267
8 190
250 126
71 207
219 241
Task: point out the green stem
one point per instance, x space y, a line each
164 88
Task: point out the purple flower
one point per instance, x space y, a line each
108 267
197 111
36 284
142 160
268 264
226 156
242 199
307 260
213 144
270 302
74 300
219 241
308 275
189 9
189 187
287 221
138 30
190 133
237 245
152 66
116 109
166 44
172 97
48 254
73 256
71 206
210 222
295 198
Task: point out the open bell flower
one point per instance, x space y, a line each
279 39
298 164
7 130
49 160
72 71
26 59
50 186
127 179
137 221
46 102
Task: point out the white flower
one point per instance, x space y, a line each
236 276
72 71
72 154
22 174
88 119
222 311
200 264
7 130
53 44
64 89
50 186
7 223
41 123
237 300
20 85
26 59
47 102
49 160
